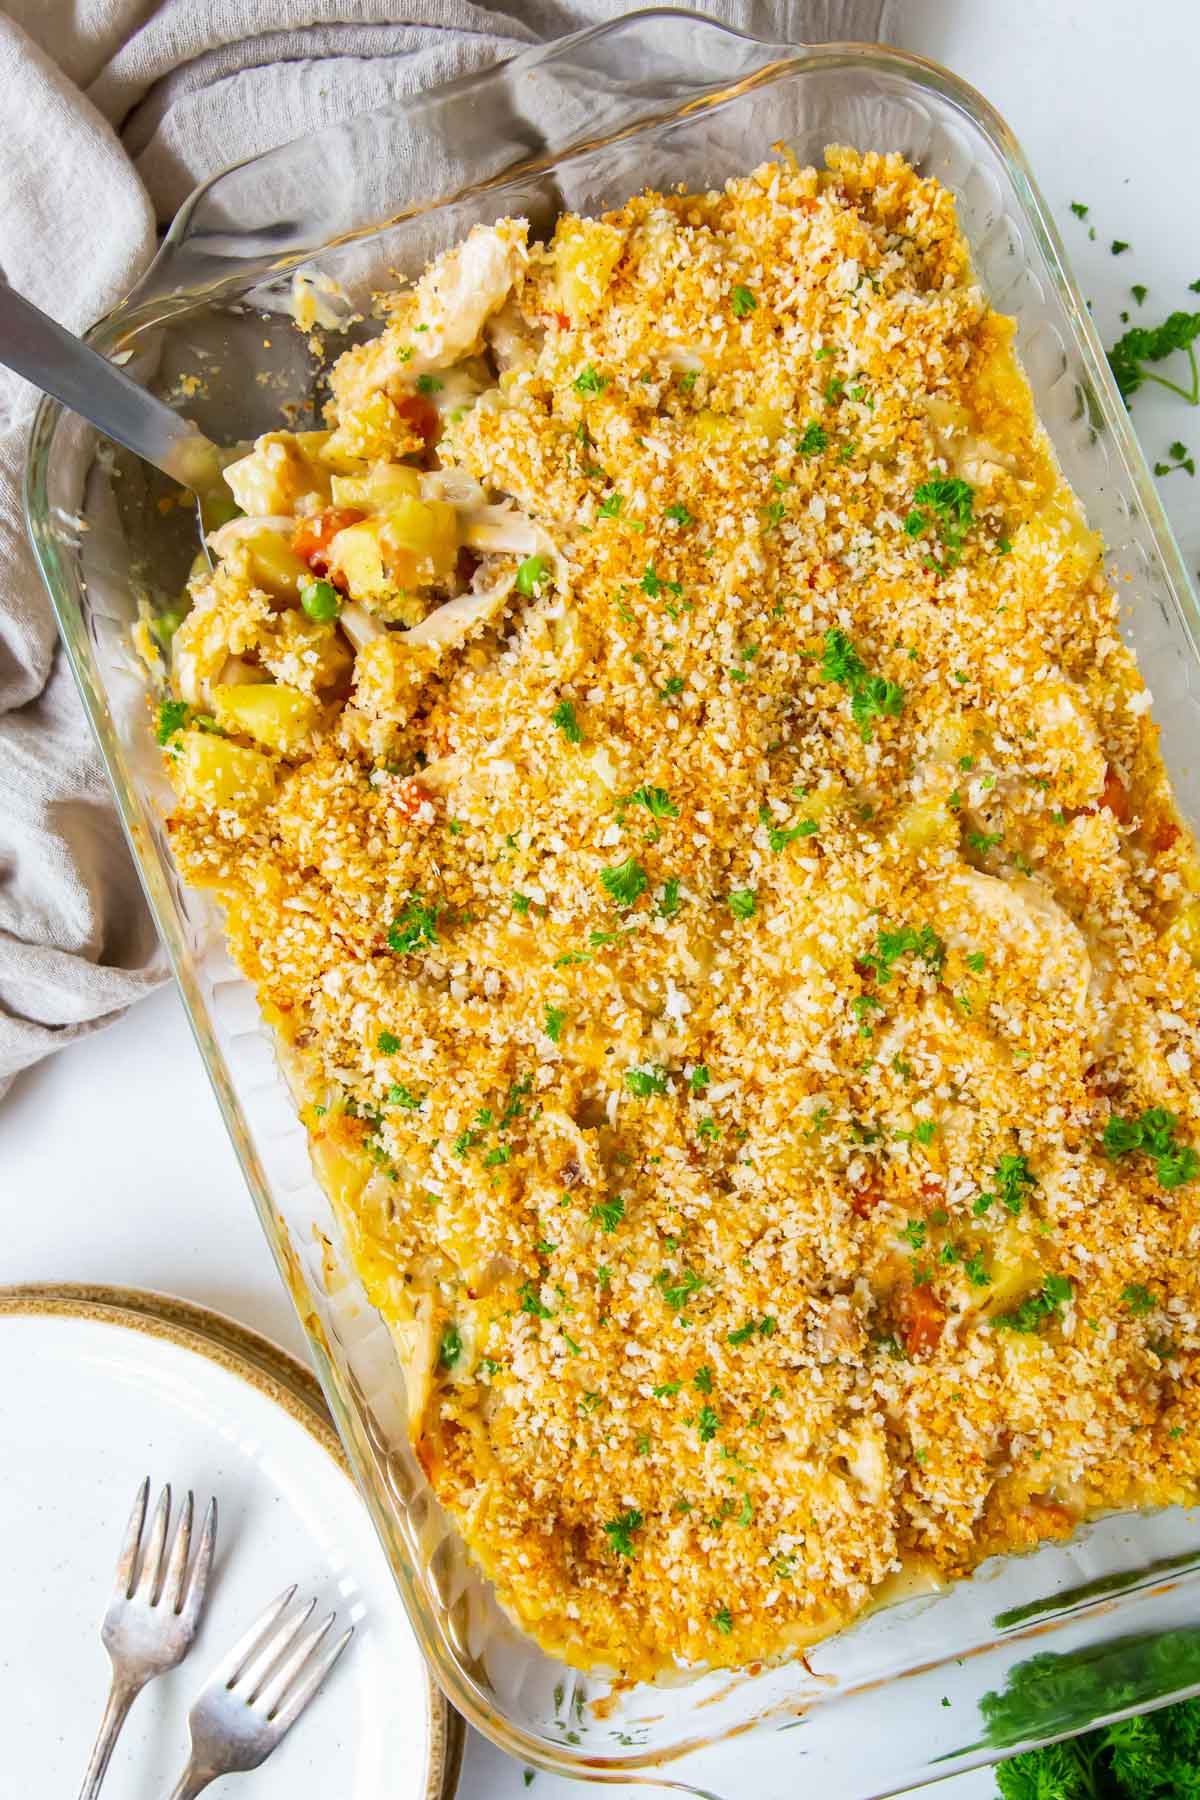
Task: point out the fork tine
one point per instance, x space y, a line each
274 1690
133 1537
287 1715
181 1543
149 1575
231 1666
257 1671
193 1598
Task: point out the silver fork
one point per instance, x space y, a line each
152 1616
254 1697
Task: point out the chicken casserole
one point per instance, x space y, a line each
671 770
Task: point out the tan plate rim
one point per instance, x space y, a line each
267 1368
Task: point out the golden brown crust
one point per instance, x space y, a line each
694 1155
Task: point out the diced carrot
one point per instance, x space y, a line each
1115 796
1166 834
412 800
422 415
922 1317
933 1189
866 1199
313 536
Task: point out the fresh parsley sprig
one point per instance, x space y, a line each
871 696
1146 344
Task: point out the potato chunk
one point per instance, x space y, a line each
278 717
217 773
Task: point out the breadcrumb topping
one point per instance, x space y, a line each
741 967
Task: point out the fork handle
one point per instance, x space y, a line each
192 1782
121 1696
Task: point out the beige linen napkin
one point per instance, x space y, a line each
114 111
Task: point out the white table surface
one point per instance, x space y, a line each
114 1165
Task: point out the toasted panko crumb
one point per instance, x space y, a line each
715 988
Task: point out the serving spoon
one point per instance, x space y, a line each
59 363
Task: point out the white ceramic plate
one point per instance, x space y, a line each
95 1396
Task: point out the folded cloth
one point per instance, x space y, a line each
115 110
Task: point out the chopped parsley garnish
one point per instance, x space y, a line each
172 717
707 1424
564 717
679 515
780 836
624 881
723 1620
774 515
976 962
414 926
1141 345
644 1082
983 841
702 1380
946 506
1013 1181
389 1043
531 1301
975 1272
665 1389
871 696
1078 208
429 384
1154 1134
399 1095
610 506
1138 1299
1181 458
906 940
589 382
668 904
609 1213
742 902
1139 292
743 302
653 584
656 800
556 1018
677 1290
672 687
687 382
451 1349
1034 1312
619 1532
860 1006
814 440
752 1328
1117 246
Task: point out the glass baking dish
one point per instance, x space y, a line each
655 97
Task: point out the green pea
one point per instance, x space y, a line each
531 574
321 601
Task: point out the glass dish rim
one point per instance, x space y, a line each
145 308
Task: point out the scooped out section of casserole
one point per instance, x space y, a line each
671 771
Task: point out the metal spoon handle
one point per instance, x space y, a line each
60 364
